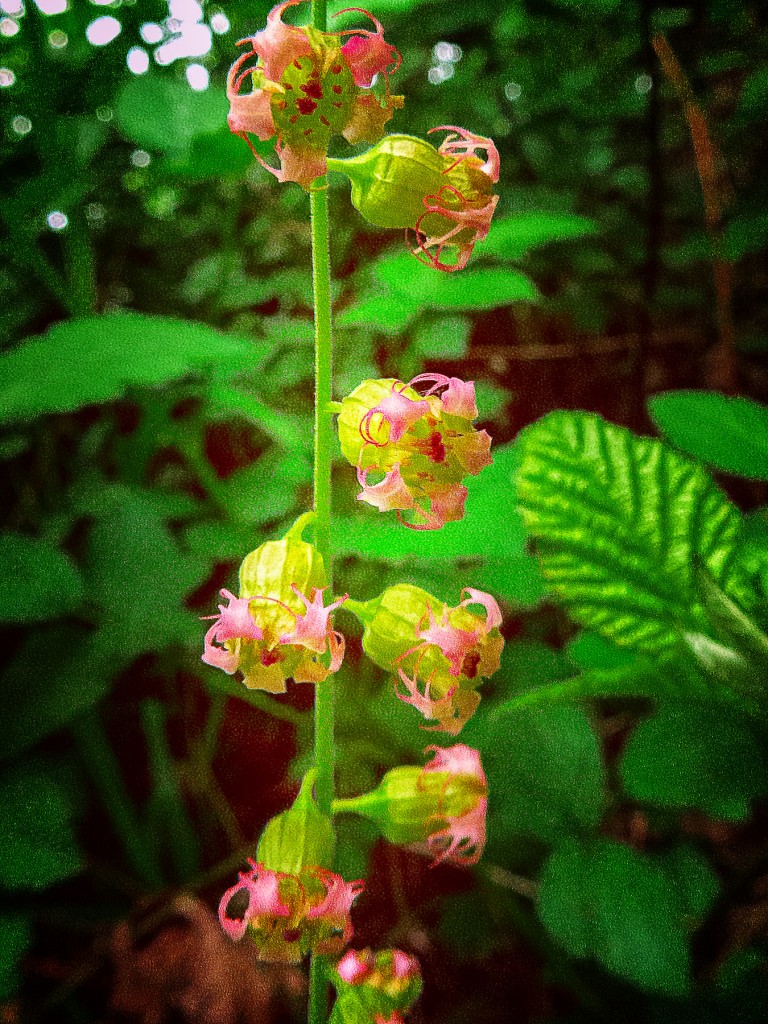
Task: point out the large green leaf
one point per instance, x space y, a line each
489 540
695 756
728 433
621 523
624 909
512 237
94 359
37 841
37 581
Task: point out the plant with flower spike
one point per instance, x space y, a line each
423 445
307 87
412 446
440 655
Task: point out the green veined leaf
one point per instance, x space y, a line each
37 581
621 523
94 359
728 433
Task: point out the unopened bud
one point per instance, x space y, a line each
298 838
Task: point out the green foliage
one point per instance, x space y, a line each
728 433
695 756
15 937
37 845
37 580
95 359
165 115
545 772
626 909
621 524
511 238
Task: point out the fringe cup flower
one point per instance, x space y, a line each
273 632
307 86
421 445
384 984
236 642
443 196
439 654
439 809
288 916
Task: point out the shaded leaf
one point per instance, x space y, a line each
512 237
695 756
413 282
164 114
15 937
615 905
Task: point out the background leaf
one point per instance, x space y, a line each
37 580
695 756
94 359
728 433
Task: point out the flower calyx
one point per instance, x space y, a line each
439 655
273 631
443 195
307 86
439 809
299 837
421 443
290 915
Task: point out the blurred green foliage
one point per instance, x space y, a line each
155 405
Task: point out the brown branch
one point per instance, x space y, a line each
723 369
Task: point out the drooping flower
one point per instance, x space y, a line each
288 916
273 631
307 86
420 445
439 655
383 985
439 809
443 195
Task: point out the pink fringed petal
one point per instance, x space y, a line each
440 710
455 643
236 621
463 143
279 44
367 53
312 629
492 611
397 410
463 840
390 493
457 760
261 886
458 399
473 451
219 657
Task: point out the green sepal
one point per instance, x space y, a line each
300 837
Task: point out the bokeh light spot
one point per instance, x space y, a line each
137 60
103 30
198 77
7 78
21 125
56 220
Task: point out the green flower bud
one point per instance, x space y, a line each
300 837
408 802
390 180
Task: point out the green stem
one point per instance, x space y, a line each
94 748
321 281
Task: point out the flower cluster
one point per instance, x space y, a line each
273 632
268 658
439 654
383 984
288 916
420 444
439 809
443 195
307 86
